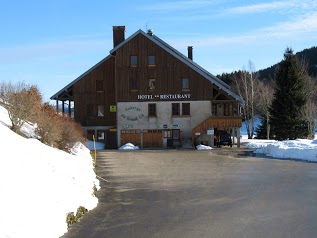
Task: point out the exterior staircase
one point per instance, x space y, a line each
216 122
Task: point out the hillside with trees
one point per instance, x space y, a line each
269 94
308 56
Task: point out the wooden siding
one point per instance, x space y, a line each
85 94
131 136
152 139
167 72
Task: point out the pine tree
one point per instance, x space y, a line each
261 130
287 121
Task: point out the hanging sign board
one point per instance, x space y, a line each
113 108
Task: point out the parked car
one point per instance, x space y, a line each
224 139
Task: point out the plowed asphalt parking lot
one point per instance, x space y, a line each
189 194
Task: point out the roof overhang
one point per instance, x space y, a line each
68 87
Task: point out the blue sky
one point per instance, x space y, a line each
50 43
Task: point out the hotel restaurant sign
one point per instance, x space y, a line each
163 96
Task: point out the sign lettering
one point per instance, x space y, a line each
163 96
127 115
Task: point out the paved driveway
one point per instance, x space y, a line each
189 194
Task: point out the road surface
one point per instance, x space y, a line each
189 194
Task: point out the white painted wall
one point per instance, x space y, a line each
134 115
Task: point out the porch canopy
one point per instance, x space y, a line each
64 95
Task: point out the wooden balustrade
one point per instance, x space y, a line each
217 122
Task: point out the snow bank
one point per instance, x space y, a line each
203 147
99 145
129 146
4 117
39 185
291 149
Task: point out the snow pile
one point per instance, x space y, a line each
4 117
129 146
291 149
39 185
203 147
99 145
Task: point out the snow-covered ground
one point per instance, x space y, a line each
203 147
39 184
291 149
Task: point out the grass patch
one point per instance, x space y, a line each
71 218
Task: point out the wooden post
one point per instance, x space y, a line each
95 152
63 107
238 137
57 105
233 135
141 132
69 108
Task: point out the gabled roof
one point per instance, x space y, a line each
219 83
69 86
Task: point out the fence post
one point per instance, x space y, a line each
95 153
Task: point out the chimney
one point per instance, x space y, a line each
190 52
149 32
118 35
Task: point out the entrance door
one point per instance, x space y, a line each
176 137
111 139
152 139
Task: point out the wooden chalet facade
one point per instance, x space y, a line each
147 93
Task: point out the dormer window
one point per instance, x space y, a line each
151 60
133 84
99 85
185 84
151 84
134 60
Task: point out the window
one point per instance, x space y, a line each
134 60
186 109
101 111
185 84
99 85
227 109
90 110
100 135
175 109
151 84
167 133
133 84
214 110
152 110
151 60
